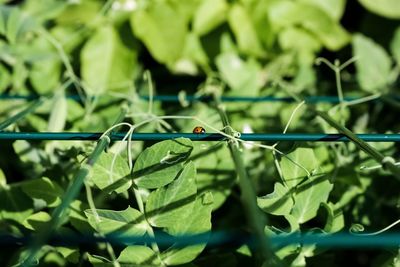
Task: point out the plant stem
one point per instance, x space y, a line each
255 217
72 192
379 157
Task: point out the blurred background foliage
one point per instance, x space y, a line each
249 44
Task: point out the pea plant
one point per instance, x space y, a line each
87 87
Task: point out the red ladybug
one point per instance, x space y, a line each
199 130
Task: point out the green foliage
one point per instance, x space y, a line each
386 8
99 50
159 164
373 64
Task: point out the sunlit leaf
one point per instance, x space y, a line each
107 63
125 222
373 64
199 221
386 8
174 202
45 189
159 164
111 172
279 202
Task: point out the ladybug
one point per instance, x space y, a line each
199 130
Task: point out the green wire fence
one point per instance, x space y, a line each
193 98
338 240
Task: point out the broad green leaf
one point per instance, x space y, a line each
386 8
243 77
309 196
138 256
111 173
37 221
209 15
18 24
333 8
199 221
99 261
45 73
70 254
167 205
159 164
295 164
44 9
285 13
107 63
335 220
162 29
279 202
58 113
394 46
77 216
298 39
244 31
80 12
373 64
215 170
192 55
125 222
14 204
45 189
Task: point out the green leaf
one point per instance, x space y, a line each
138 255
45 189
45 73
292 173
244 31
162 29
243 77
125 222
17 24
159 164
209 15
111 173
394 47
14 204
166 205
333 8
37 221
107 63
279 202
335 220
199 221
298 39
285 13
385 8
70 254
309 196
58 113
373 64
215 170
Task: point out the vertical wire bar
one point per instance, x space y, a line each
31 108
255 218
73 190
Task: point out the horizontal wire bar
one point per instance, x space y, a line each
335 240
91 136
193 98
